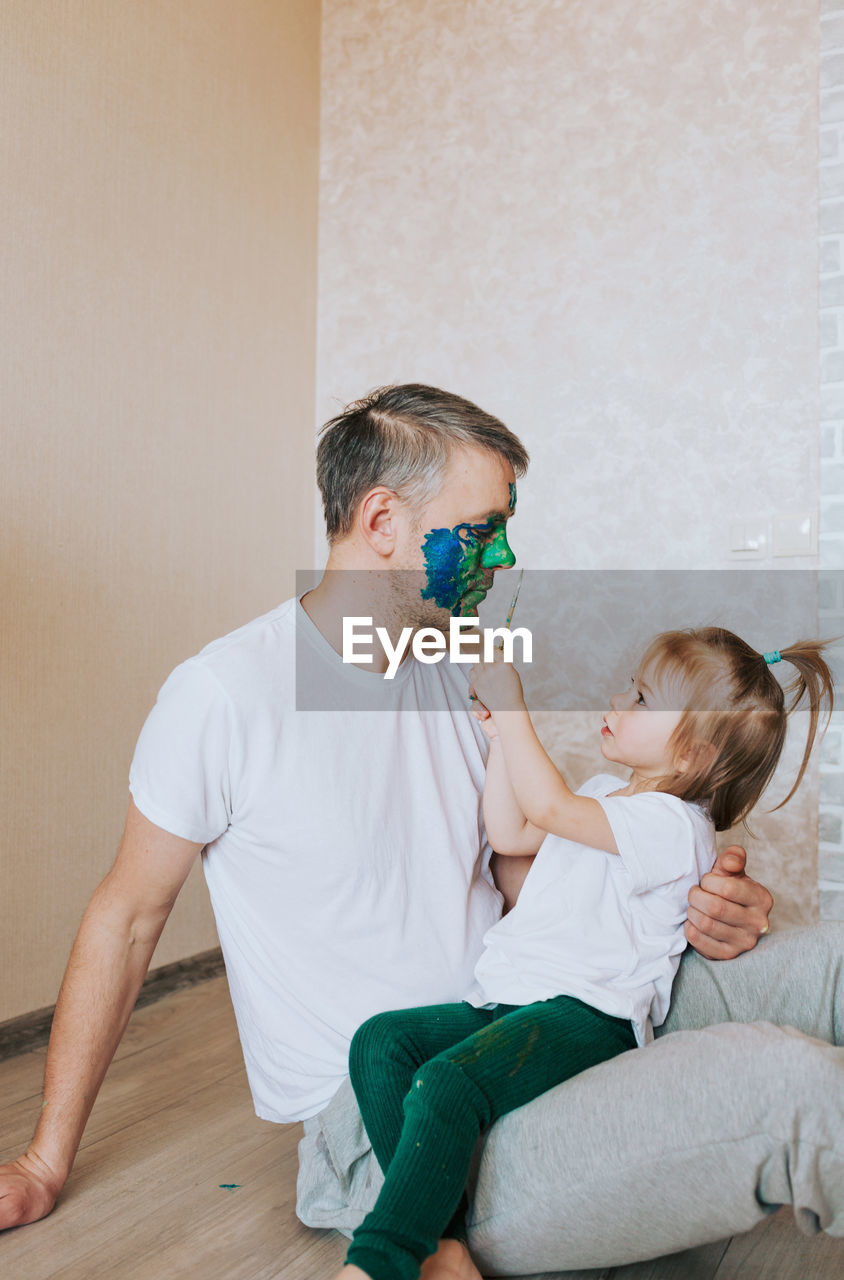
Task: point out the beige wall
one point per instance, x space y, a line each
598 220
157 329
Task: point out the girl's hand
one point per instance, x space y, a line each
483 715
497 684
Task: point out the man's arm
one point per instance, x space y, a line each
509 874
728 912
107 964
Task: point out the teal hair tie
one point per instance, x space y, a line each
773 656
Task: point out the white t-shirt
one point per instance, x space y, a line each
345 853
604 927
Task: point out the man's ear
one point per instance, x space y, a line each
377 520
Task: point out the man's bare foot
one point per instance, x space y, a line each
450 1262
352 1273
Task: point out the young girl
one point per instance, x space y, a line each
582 967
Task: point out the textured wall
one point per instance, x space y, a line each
157 354
599 221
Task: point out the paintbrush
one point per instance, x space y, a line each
509 617
499 644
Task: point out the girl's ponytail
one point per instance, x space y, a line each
813 681
733 727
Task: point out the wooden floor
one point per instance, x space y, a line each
174 1122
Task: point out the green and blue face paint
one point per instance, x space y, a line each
457 562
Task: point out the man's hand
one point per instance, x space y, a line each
728 912
28 1191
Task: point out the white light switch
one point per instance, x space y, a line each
795 534
748 539
737 536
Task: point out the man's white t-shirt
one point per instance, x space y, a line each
606 928
345 853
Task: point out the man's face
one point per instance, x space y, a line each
460 537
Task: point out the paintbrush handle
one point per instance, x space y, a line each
509 618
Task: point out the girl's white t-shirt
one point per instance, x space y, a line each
345 853
606 928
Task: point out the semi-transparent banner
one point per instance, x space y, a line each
375 641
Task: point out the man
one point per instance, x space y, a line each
342 847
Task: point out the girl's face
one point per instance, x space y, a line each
638 726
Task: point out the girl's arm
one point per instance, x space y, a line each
507 828
546 802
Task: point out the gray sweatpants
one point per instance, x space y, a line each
738 1110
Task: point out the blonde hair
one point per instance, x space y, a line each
733 724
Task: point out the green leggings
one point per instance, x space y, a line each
429 1081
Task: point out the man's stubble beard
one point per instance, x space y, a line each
406 606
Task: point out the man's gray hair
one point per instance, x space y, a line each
401 437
